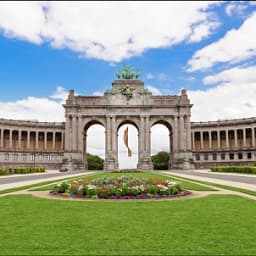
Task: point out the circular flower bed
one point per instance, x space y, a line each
125 187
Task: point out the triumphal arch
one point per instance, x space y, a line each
128 101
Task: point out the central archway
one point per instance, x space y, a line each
126 162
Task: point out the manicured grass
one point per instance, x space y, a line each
185 184
242 190
214 225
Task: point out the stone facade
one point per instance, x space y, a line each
199 144
142 110
31 143
225 142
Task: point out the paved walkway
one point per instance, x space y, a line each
13 181
234 180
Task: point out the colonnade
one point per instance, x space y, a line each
223 138
15 139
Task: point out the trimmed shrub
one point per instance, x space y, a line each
4 171
20 170
94 162
160 160
235 169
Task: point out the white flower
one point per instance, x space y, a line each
89 187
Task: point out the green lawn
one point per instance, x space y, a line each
214 225
242 190
185 184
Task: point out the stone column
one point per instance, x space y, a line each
244 138
62 140
235 135
2 138
28 139
110 161
80 135
141 138
114 138
85 150
148 139
145 162
45 140
108 136
193 141
218 139
53 140
210 139
36 140
74 133
10 139
67 134
19 139
253 137
181 129
201 140
188 139
175 135
227 141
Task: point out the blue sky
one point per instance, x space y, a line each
48 48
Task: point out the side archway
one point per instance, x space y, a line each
162 140
93 140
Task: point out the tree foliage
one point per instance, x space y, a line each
94 162
160 160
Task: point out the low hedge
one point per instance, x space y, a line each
236 169
20 170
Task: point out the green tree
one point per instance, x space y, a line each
94 162
160 160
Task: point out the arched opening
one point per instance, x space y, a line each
125 161
94 141
162 141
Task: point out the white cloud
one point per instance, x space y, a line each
235 8
149 76
33 108
98 93
111 31
202 31
23 20
162 76
60 94
235 75
237 45
234 97
153 89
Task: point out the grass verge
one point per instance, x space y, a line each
242 190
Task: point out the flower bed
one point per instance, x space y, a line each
125 187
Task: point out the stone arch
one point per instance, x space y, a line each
132 121
86 125
135 123
169 125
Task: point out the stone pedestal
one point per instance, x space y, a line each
145 164
110 163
